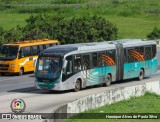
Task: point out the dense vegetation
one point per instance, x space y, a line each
133 18
74 30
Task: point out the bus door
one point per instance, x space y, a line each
86 68
101 65
119 61
148 61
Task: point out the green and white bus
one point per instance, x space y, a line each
77 66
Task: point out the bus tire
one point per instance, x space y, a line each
141 74
108 80
21 71
77 85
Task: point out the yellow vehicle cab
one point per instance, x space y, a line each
19 57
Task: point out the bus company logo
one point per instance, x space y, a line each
18 106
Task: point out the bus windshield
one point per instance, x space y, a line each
8 52
49 67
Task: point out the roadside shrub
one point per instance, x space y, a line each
155 34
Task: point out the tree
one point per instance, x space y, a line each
74 30
67 31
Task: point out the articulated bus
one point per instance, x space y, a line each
19 57
76 66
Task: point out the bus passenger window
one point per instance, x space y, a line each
85 62
147 53
154 51
101 58
27 51
136 54
94 60
40 48
110 57
34 50
44 47
77 63
21 53
130 57
47 46
141 51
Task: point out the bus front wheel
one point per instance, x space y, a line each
21 72
108 80
141 75
77 85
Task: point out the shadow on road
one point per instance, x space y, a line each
37 91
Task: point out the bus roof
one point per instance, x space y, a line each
62 50
32 42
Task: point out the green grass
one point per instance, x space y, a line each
8 21
134 18
149 103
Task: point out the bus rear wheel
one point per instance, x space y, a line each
108 80
141 75
21 72
77 86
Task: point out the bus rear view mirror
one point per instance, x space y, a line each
64 63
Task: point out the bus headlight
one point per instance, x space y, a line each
12 65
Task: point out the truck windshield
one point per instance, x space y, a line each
8 52
49 67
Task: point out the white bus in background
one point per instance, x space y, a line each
77 66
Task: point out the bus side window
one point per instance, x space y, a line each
141 51
77 63
101 59
136 54
34 50
94 60
21 53
85 62
40 48
44 47
130 57
47 46
27 51
110 57
154 51
147 53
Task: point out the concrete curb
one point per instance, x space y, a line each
105 98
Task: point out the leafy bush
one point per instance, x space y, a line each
155 34
74 30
